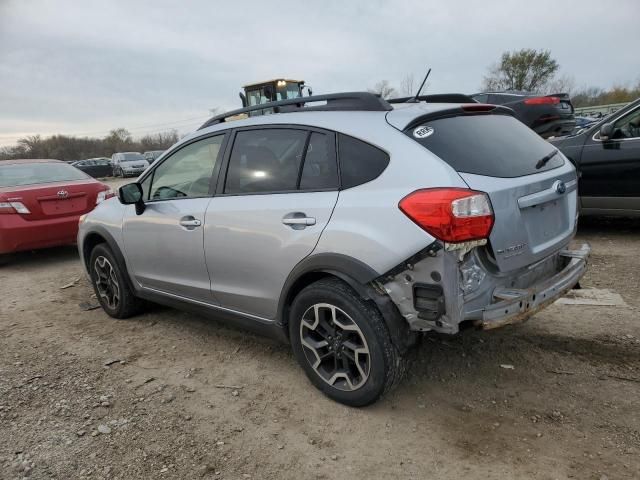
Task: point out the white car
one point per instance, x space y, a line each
128 164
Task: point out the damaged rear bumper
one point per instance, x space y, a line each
442 289
517 305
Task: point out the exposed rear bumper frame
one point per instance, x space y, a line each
518 305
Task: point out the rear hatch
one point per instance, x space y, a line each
534 201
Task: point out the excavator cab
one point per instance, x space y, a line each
271 91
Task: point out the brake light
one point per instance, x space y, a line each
478 107
104 194
450 214
542 101
13 207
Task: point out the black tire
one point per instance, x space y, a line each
385 365
103 260
4 259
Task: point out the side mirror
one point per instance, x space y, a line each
606 132
131 194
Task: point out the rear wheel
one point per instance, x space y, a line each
110 285
342 343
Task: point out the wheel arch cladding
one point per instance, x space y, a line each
98 236
355 274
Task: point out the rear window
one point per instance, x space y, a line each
491 145
33 173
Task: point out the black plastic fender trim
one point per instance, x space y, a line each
358 276
113 245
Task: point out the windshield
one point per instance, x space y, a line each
491 145
33 173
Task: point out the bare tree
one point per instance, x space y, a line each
407 85
526 69
560 84
383 88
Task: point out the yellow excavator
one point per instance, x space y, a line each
272 91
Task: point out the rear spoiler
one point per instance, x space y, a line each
466 109
436 98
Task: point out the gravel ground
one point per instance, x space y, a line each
171 395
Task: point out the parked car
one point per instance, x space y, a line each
95 167
151 155
582 123
346 229
127 164
548 115
607 155
41 201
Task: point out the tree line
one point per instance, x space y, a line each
527 70
66 147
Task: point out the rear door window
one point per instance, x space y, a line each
360 162
491 145
320 171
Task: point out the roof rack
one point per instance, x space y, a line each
437 98
349 101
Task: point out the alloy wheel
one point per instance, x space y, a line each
335 347
107 282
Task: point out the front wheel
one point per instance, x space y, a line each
110 285
343 344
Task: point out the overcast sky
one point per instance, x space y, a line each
85 67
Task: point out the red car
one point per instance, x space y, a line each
41 202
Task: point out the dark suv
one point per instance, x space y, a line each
548 115
607 155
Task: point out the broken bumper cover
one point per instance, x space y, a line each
517 305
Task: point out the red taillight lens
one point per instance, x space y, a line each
13 207
542 101
450 214
104 195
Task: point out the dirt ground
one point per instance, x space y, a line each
86 396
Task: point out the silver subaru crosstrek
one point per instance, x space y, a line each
345 226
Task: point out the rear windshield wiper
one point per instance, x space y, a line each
543 161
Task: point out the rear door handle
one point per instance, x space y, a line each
190 222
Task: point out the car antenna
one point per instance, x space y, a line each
414 99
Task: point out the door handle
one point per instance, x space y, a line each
298 220
190 222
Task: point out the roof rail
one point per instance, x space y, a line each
437 98
348 101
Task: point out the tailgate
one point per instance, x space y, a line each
535 215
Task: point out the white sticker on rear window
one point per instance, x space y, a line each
423 132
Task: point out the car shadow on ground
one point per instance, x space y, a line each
608 225
40 258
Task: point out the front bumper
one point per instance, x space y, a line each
130 172
517 305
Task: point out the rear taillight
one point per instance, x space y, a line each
450 214
103 195
13 207
542 101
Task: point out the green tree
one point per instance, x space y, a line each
527 69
